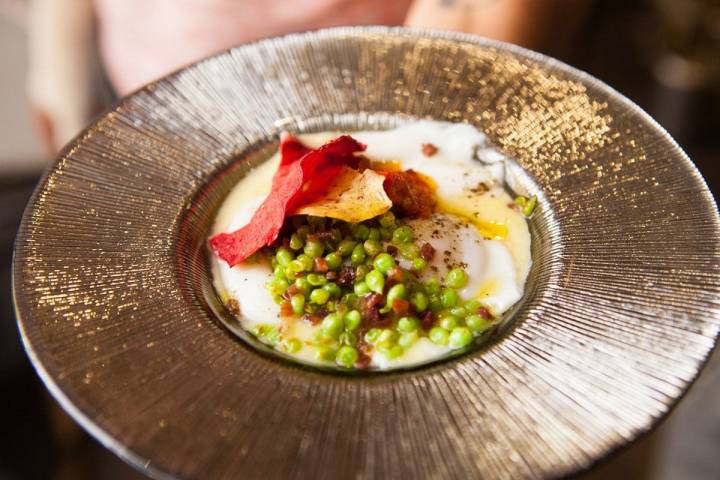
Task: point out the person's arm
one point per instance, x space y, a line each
63 68
537 24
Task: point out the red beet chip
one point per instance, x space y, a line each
301 175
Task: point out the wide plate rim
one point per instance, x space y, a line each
143 464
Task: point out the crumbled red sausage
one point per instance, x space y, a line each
233 306
410 194
427 252
286 309
374 299
392 250
428 149
363 361
312 319
397 275
400 307
320 265
346 278
484 313
427 320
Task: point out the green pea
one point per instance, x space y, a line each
347 338
361 288
530 206
448 322
346 247
302 284
291 345
268 334
409 251
361 271
435 303
325 352
449 297
313 249
387 335
402 235
333 289
331 326
387 219
295 242
346 356
419 264
460 337
375 281
361 232
284 256
296 266
420 301
319 296
456 278
408 324
472 306
349 300
372 247
306 261
358 255
459 312
477 324
390 350
277 286
279 272
384 262
432 286
374 234
373 335
438 335
315 279
298 303
386 233
334 260
352 320
396 292
407 340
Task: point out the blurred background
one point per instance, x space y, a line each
63 61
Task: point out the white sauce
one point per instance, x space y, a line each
497 268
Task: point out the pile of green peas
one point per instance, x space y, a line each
311 279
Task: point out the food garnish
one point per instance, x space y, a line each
300 178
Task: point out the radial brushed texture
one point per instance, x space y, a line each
116 309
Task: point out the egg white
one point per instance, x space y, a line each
469 177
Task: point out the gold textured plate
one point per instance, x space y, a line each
116 309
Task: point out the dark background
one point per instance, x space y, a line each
634 47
